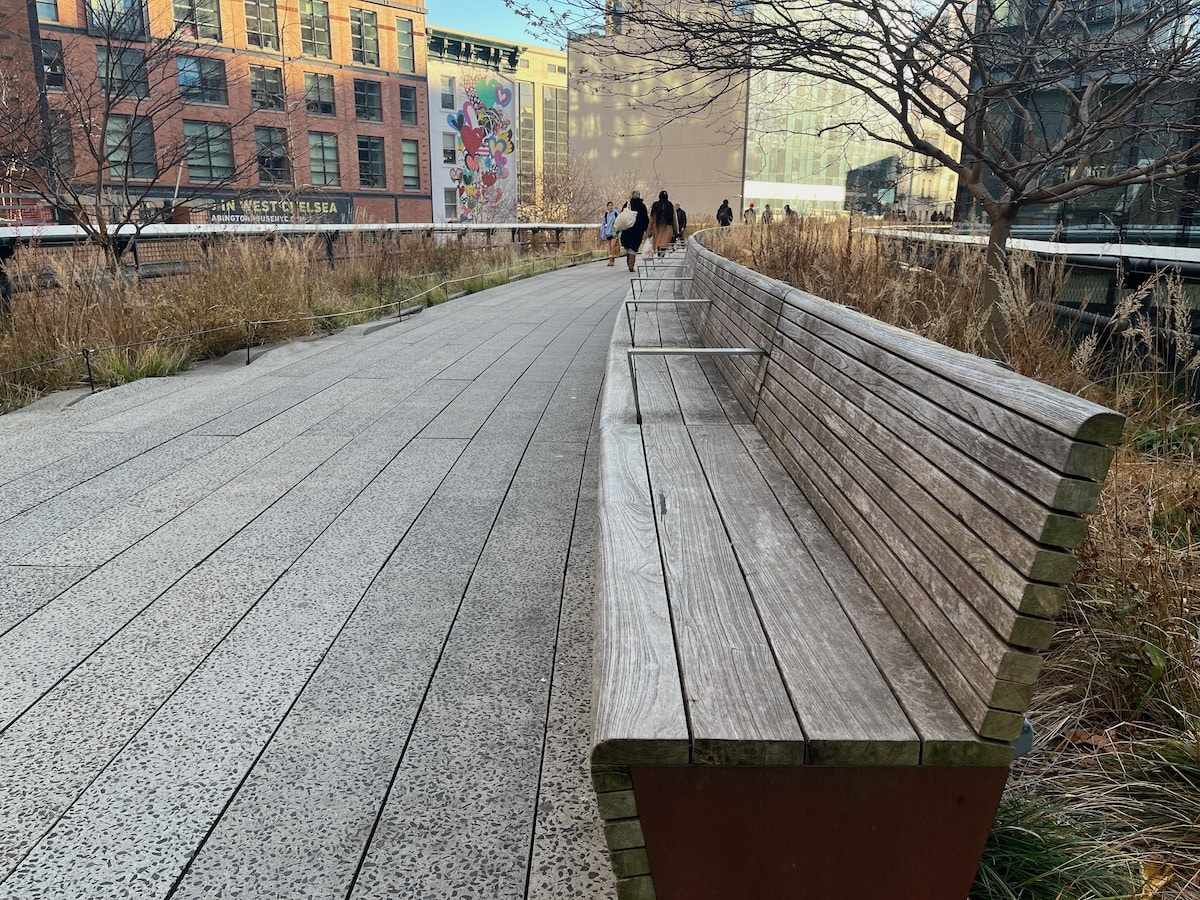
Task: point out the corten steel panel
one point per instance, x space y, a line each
912 833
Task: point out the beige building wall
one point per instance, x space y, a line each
621 128
543 123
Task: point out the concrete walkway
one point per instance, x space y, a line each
318 627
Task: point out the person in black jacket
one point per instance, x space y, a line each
631 237
725 214
680 224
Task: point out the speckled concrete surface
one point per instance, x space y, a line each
314 627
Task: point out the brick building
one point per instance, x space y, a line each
273 108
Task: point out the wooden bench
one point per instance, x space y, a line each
826 572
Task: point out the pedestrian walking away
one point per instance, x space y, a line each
749 217
680 224
767 217
662 218
725 214
631 237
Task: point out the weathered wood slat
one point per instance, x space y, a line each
946 738
982 654
638 711
999 388
847 710
738 707
901 483
906 389
862 546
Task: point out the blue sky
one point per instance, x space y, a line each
489 18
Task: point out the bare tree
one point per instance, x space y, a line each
1046 101
104 125
574 192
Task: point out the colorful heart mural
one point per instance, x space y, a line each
485 140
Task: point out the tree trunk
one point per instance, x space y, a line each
996 332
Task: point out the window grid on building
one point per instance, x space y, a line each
116 18
526 164
450 204
129 147
410 157
408 105
47 10
198 18
202 80
323 159
122 72
449 147
262 24
270 146
364 37
405 49
314 29
371 172
448 92
554 129
318 94
209 150
368 100
266 87
54 71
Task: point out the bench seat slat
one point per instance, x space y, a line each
865 547
946 738
848 713
738 708
638 712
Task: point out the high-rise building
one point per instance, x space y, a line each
243 109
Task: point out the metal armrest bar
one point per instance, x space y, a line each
656 302
632 352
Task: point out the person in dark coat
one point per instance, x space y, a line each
632 237
681 222
662 218
725 214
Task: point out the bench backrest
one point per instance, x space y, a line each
955 485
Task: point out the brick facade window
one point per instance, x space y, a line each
405 51
202 80
198 18
368 100
364 37
408 105
318 94
262 24
122 72
323 159
53 69
314 29
410 156
270 146
371 172
209 150
266 87
129 147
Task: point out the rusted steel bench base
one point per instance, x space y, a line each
910 833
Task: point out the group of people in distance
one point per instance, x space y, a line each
751 215
666 222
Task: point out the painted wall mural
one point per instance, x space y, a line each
485 140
